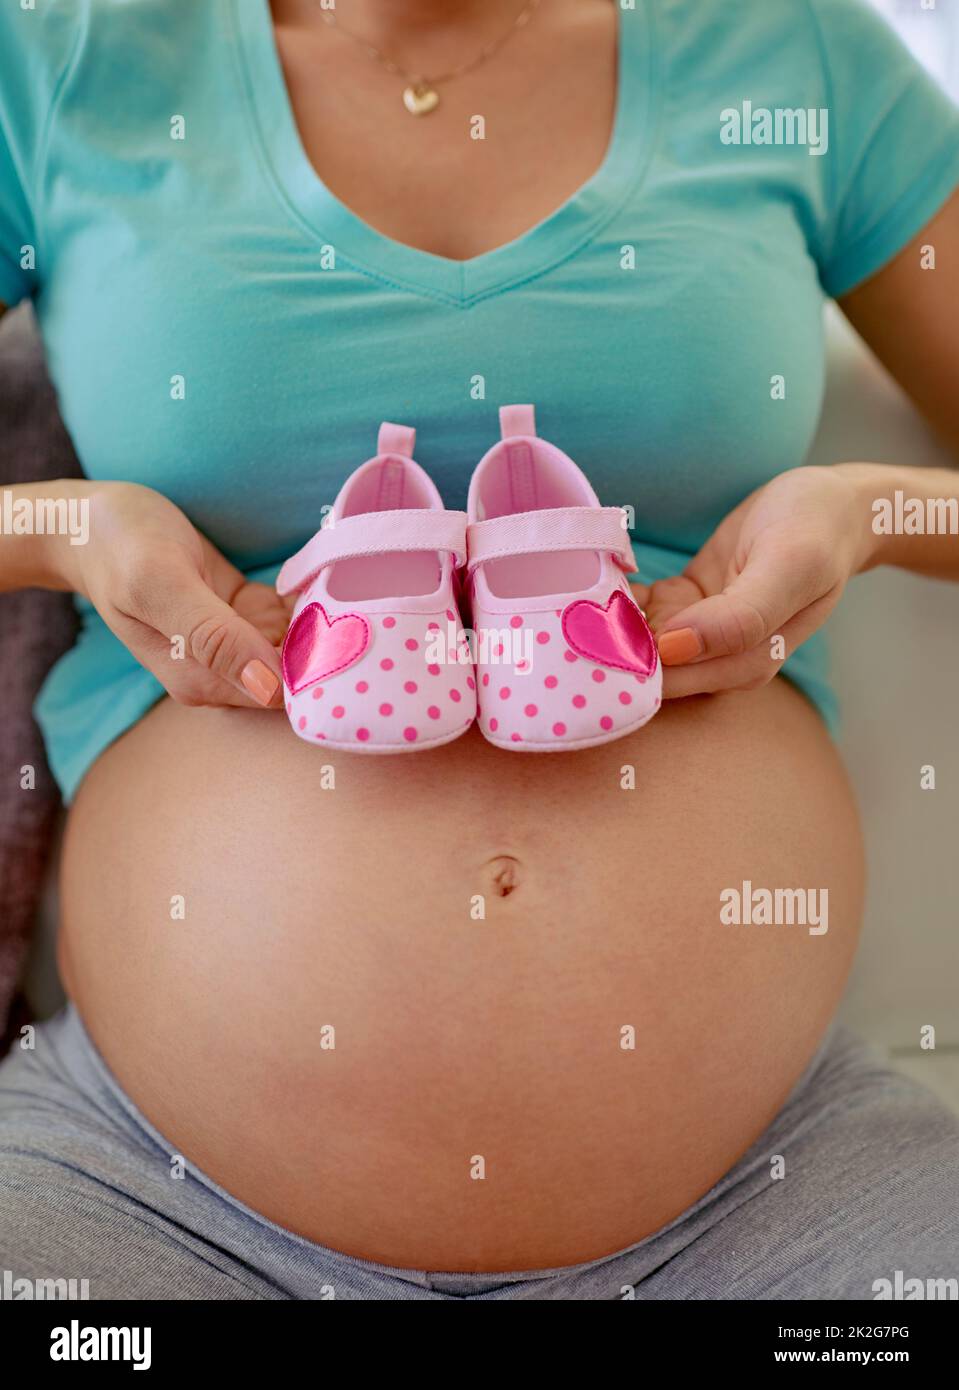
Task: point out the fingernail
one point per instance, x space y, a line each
259 681
680 646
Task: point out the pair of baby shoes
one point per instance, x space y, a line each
555 653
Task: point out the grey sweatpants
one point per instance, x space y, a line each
870 1186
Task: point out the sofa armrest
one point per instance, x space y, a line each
36 627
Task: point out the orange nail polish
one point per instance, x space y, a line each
259 681
680 646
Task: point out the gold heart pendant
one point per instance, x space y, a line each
420 100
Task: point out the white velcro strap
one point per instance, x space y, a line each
374 533
552 529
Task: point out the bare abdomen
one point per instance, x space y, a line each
518 959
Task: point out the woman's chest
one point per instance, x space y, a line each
502 143
224 327
242 367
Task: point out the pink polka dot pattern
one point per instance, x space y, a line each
548 696
391 699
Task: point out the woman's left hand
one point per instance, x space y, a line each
775 568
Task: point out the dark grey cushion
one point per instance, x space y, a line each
35 629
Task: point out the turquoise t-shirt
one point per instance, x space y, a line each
646 318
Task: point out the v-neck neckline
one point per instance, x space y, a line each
554 239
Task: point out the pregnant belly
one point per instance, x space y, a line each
463 1009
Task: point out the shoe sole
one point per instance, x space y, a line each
386 749
569 746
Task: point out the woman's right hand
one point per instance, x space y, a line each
187 615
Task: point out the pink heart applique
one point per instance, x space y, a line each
615 635
318 646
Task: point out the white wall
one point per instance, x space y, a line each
896 656
931 29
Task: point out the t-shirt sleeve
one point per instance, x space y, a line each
35 48
893 154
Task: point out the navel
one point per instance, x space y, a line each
504 874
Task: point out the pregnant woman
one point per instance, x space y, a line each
297 1061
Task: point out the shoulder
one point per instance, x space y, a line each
805 36
859 45
43 41
37 40
101 58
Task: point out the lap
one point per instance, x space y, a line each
85 1194
857 1177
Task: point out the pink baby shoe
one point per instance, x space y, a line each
375 659
564 657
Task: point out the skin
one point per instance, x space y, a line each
490 1031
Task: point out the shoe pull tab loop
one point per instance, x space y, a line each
517 419
396 439
396 442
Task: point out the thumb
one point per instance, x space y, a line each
217 638
750 609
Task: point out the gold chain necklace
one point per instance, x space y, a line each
420 95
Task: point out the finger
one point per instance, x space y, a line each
259 604
749 670
668 597
183 679
753 607
263 607
216 636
